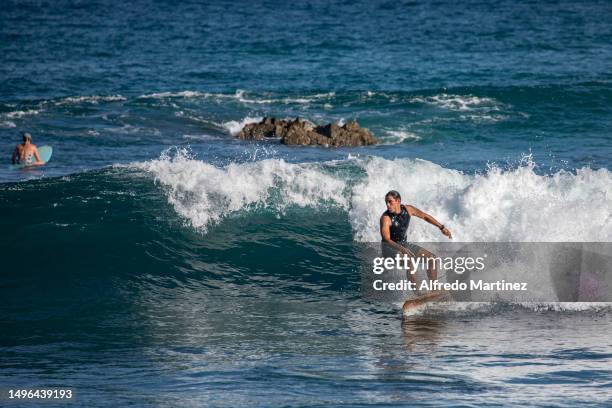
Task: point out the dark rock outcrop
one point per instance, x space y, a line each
304 133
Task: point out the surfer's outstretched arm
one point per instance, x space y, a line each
413 211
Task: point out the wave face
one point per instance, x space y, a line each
178 219
322 206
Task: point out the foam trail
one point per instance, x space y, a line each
240 96
93 99
499 205
488 308
204 194
21 113
399 136
460 103
182 94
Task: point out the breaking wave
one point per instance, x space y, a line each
204 194
498 205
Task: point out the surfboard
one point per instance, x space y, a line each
436 296
45 153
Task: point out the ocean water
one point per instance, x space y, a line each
157 260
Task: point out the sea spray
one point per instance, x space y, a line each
496 205
204 194
515 204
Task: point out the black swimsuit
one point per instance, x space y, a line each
399 225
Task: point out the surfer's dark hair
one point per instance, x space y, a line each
394 194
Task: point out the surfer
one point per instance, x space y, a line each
394 226
26 153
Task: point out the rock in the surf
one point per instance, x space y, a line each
268 127
304 133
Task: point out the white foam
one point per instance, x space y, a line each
201 137
567 306
7 124
471 308
204 194
309 98
499 205
371 94
131 129
93 99
182 94
241 96
21 113
484 118
196 118
458 102
234 127
399 136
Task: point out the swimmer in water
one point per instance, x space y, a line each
26 153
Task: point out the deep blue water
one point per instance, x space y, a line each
159 261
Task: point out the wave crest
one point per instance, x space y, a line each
498 205
460 103
204 194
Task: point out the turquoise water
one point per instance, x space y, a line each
159 261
